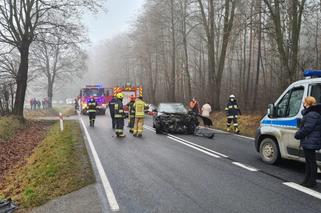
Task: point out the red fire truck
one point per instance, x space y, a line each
128 90
101 95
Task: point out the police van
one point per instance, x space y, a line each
275 136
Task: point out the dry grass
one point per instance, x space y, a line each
247 123
9 125
66 110
58 166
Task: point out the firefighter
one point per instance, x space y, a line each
111 106
119 115
131 112
139 117
232 112
92 105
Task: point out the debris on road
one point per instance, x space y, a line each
7 206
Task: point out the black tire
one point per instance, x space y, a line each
158 131
269 151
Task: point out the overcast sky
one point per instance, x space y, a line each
120 14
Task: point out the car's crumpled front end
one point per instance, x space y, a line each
177 123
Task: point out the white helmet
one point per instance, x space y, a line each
232 96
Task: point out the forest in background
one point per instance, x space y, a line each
209 49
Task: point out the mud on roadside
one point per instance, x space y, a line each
14 152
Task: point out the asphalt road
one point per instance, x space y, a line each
159 173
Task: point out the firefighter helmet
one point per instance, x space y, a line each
232 96
120 95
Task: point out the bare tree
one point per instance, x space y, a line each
23 21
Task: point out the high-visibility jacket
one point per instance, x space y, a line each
119 109
139 108
92 105
232 109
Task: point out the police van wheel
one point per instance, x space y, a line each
269 151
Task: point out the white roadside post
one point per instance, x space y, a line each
61 122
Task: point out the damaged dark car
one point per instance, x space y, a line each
174 118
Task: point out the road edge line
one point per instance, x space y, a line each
303 189
103 176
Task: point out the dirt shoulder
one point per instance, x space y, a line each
248 123
54 164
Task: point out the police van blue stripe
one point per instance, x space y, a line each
282 123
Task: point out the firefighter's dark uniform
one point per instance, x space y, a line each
112 111
232 112
131 112
92 105
119 118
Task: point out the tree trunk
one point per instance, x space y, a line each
22 78
50 93
258 61
172 86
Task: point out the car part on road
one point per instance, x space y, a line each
7 206
269 151
203 132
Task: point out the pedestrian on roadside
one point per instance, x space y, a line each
309 135
206 110
194 106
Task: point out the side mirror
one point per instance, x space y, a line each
271 111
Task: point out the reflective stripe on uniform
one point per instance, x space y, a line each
139 109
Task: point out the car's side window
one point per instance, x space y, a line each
290 104
316 92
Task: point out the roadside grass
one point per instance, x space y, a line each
58 166
9 125
66 110
247 123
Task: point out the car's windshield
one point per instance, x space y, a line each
172 108
93 92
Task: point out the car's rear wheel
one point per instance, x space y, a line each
269 151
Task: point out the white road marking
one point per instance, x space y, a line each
190 143
303 189
103 176
199 146
252 169
193 147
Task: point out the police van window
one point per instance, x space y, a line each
316 92
290 104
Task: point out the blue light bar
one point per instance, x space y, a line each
312 73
